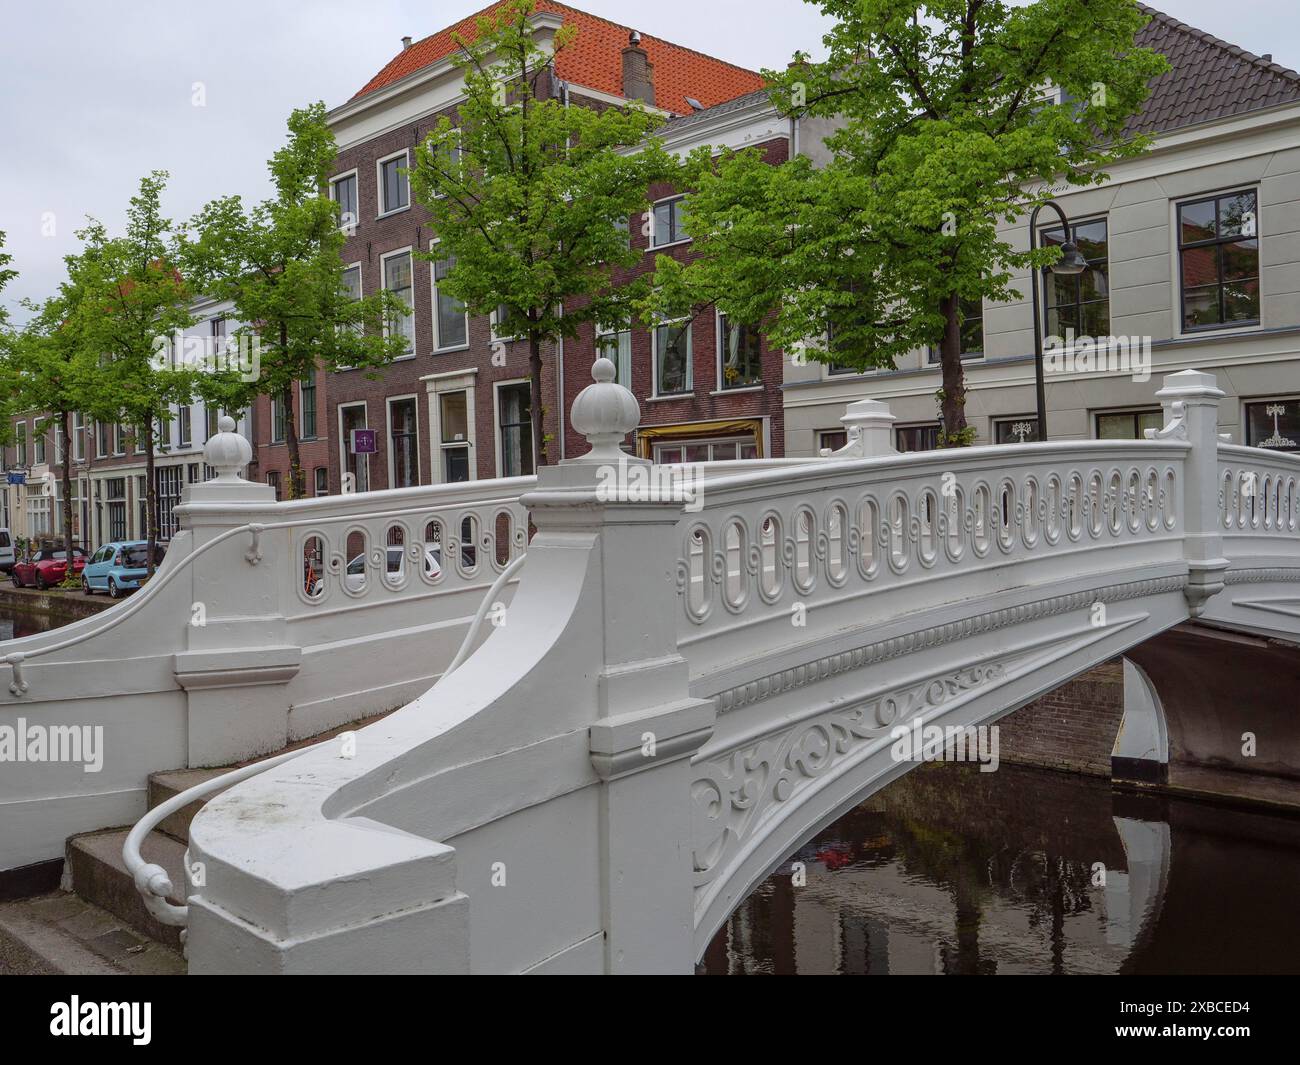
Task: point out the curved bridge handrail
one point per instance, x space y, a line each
15 659
152 881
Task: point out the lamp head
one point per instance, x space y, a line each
1071 263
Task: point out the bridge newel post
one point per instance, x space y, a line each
870 428
647 726
1191 405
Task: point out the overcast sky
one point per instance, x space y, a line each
94 95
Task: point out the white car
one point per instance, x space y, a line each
355 578
6 552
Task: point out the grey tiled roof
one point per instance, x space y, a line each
1208 79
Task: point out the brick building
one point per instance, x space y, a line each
444 412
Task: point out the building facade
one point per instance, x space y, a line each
1194 256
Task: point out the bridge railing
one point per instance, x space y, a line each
875 537
267 622
1259 492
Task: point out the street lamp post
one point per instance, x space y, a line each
1070 264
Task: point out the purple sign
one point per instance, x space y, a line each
363 442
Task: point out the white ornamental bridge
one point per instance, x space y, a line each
694 675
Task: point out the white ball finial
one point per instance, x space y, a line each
227 452
605 412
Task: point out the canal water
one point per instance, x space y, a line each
16 623
948 870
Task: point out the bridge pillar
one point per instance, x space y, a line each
647 725
1191 405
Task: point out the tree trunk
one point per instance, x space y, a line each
67 494
151 498
536 414
297 488
953 407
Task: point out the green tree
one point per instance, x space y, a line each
942 132
8 384
531 199
52 372
125 302
280 264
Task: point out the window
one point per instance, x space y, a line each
504 326
164 432
450 319
343 191
60 445
615 344
397 278
38 442
79 437
1129 424
832 439
139 440
119 440
454 428
727 449
143 506
183 421
1081 303
394 189
322 477
514 415
357 466
742 359
102 429
449 155
192 473
212 419
273 479
307 406
972 332
916 437
170 480
20 444
279 422
673 374
1218 252
1023 430
668 228
403 445
352 286
1274 423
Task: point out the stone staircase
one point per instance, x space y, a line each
97 924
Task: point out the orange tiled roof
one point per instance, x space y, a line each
595 60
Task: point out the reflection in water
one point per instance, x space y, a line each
948 870
15 624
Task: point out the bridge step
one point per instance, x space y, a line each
164 786
96 872
60 933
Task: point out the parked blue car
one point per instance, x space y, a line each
118 568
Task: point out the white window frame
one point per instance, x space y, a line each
316 405
438 347
651 246
343 438
437 386
495 322
276 400
40 445
690 360
355 174
79 438
460 154
718 338
119 437
384 209
602 331
388 421
496 418
408 251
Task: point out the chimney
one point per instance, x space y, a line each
638 74
406 43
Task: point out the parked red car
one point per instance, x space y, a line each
47 567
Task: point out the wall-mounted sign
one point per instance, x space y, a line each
363 442
17 477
